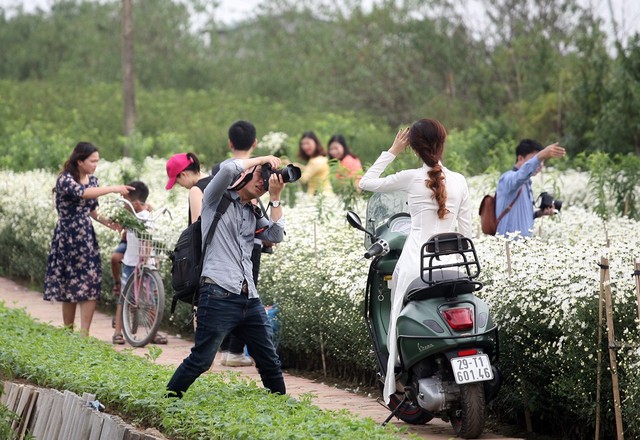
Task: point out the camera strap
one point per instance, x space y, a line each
508 208
243 180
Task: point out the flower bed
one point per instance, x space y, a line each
547 308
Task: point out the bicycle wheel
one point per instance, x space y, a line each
143 307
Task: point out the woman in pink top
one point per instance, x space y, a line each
339 150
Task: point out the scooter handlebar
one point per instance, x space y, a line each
380 247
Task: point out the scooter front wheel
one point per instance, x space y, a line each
408 412
468 420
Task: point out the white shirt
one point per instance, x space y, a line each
133 243
424 224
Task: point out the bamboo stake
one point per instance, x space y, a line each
324 358
599 353
636 274
315 245
604 262
508 251
322 353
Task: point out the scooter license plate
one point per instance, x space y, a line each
470 369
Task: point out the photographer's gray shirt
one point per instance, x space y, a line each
228 257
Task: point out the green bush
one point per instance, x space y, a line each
217 406
487 146
6 420
319 301
41 122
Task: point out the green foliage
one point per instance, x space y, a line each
217 406
614 181
547 309
37 133
320 311
542 67
618 129
35 146
26 225
486 146
6 419
344 185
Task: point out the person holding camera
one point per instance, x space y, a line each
242 142
515 194
229 301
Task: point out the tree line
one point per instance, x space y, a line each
540 68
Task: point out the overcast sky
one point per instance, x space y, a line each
626 12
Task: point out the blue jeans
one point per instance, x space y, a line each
220 312
125 273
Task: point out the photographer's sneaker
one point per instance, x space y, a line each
223 357
238 360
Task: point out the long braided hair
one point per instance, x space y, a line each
427 137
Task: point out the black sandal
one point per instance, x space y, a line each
159 339
117 339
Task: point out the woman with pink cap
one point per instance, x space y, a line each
184 169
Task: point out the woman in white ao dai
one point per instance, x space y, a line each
438 202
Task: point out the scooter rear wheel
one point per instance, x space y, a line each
408 412
468 420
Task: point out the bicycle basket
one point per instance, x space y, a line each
151 244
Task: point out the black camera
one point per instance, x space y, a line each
547 201
290 173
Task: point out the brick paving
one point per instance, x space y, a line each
326 396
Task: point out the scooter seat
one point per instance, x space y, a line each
451 285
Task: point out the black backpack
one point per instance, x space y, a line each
188 256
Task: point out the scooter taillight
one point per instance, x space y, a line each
459 319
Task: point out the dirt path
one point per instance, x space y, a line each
326 396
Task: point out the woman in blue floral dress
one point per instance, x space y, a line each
74 270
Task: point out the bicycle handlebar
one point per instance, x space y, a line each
155 213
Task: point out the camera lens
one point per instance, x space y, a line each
290 173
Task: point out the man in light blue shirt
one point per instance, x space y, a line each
229 300
515 185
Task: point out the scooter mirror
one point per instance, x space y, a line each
354 220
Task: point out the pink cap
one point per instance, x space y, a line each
175 165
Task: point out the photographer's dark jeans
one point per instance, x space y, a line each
232 343
220 312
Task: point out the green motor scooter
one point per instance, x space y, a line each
447 339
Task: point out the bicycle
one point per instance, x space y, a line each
143 293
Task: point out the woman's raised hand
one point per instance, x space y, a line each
401 142
122 189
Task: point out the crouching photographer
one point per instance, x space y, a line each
229 301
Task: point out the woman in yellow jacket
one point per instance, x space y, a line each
315 173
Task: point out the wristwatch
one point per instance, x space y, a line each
275 203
